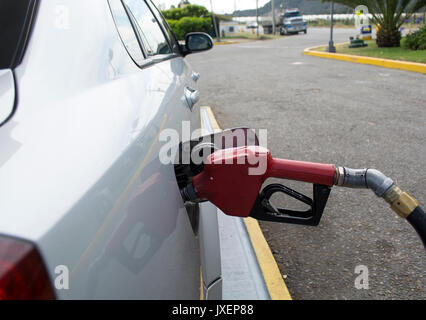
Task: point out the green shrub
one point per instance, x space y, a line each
191 10
190 24
173 25
416 40
172 14
191 18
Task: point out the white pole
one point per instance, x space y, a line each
214 23
257 17
273 17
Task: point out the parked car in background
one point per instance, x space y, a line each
87 210
252 25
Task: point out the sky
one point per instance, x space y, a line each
219 6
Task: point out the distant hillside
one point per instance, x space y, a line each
306 6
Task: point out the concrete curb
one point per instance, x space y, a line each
271 273
225 43
273 279
385 63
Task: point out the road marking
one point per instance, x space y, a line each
256 47
271 274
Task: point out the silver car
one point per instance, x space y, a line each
87 210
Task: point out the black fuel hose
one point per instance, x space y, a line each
418 220
405 205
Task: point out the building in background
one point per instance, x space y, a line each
183 3
230 27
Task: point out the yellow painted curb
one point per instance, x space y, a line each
201 285
224 43
213 121
271 273
386 63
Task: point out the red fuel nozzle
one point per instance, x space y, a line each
232 178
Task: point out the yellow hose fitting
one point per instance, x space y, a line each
401 202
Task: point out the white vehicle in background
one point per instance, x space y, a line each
292 22
87 210
289 22
252 25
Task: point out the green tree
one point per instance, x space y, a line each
190 10
388 16
193 10
190 24
190 18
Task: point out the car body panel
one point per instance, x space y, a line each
83 180
7 94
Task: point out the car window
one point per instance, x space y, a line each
127 34
291 14
169 33
151 35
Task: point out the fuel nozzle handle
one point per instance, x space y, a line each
405 205
311 172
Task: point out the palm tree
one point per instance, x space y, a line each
388 15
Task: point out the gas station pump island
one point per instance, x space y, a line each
362 26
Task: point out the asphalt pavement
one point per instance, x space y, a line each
334 112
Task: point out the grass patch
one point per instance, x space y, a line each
385 53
